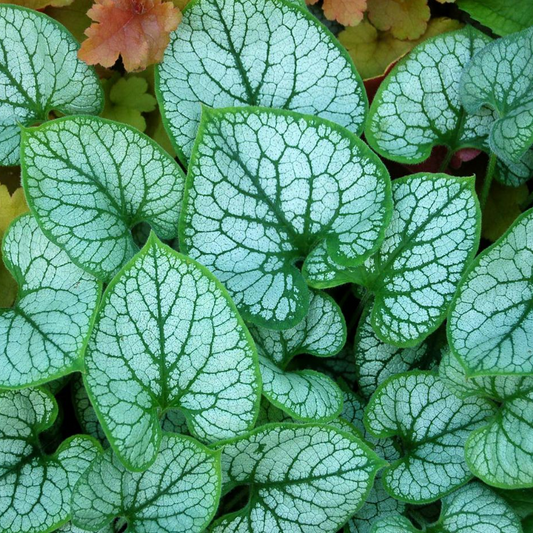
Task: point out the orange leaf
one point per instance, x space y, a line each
346 12
138 30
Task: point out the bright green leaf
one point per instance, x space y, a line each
376 360
284 185
167 336
299 476
490 326
269 53
433 425
501 16
500 77
178 494
417 107
89 181
471 509
39 72
36 488
500 453
43 337
303 394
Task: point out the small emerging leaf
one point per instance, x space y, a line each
490 326
500 77
89 181
167 336
178 494
268 53
36 488
433 426
284 187
39 75
137 30
43 337
303 394
299 476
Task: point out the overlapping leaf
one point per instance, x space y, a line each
376 360
474 508
379 502
43 337
501 76
178 494
39 73
500 453
490 326
299 477
89 181
35 487
269 53
433 234
167 336
345 12
303 394
433 425
267 188
417 107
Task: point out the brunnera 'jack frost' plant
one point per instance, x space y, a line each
199 315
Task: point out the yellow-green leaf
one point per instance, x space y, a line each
373 51
406 19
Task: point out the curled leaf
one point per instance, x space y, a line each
138 30
346 12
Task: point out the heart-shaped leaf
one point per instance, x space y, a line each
433 234
172 421
264 189
167 336
490 326
269 53
43 337
376 360
500 453
417 107
303 394
299 476
36 488
39 73
179 493
500 77
379 502
474 508
433 425
89 181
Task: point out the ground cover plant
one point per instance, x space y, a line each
266 266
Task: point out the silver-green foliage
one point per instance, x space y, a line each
301 478
269 53
36 487
89 181
39 73
168 336
267 188
303 394
44 335
178 493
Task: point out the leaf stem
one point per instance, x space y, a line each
488 181
447 160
